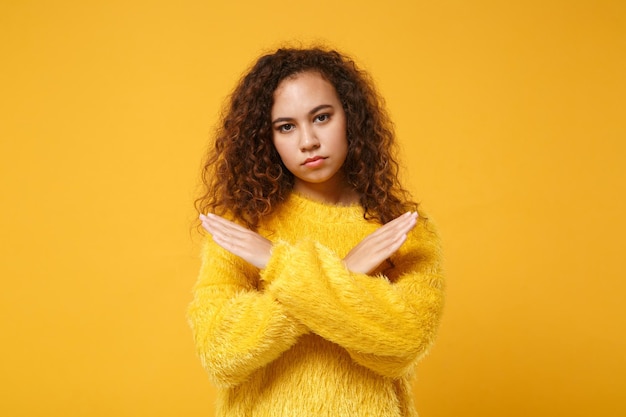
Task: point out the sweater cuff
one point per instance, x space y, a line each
280 252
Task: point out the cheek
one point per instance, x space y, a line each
283 152
277 146
342 142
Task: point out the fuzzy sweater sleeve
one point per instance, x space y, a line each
386 323
237 329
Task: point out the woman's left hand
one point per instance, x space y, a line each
248 245
380 245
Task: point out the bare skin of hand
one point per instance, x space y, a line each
363 258
248 245
380 245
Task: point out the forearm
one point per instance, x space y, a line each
237 328
364 314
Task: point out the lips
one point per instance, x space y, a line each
313 161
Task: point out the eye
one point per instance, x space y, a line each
322 117
287 127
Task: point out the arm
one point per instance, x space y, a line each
237 329
385 322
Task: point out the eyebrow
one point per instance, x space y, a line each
311 113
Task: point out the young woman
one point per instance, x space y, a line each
320 286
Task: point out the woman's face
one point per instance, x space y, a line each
309 133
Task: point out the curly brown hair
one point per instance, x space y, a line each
244 175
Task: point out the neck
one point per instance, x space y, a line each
338 194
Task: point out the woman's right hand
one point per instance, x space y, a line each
380 245
248 245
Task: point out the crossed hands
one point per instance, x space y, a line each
363 258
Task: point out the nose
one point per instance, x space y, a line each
308 139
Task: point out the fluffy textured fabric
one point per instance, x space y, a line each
307 337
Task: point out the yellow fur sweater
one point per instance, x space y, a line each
307 337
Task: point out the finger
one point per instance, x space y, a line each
399 223
239 237
216 224
231 246
391 239
402 225
388 249
396 244
205 222
376 256
229 239
224 223
409 217
220 235
410 223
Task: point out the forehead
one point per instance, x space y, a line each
303 91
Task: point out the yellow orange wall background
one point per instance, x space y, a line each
511 120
